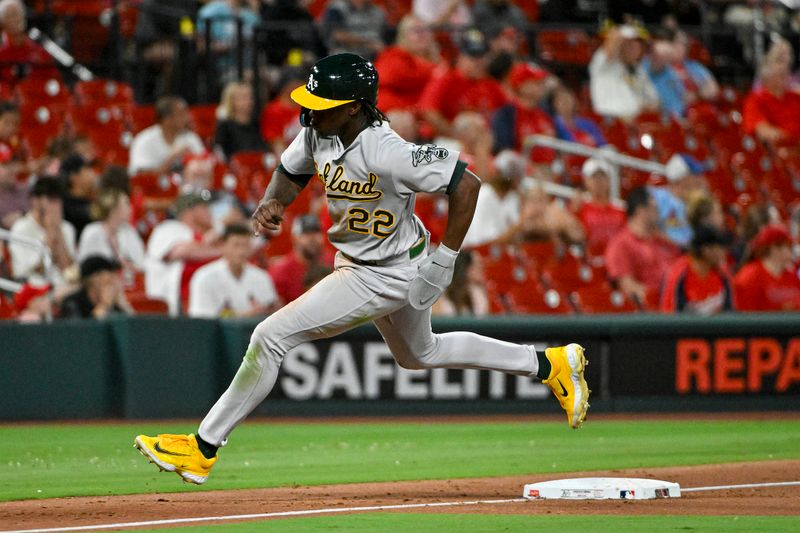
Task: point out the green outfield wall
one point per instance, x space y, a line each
153 367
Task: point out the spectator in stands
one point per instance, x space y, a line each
355 26
280 121
781 54
11 147
752 218
158 25
769 282
101 293
492 17
569 125
44 223
466 87
405 67
638 256
225 207
698 282
14 195
466 294
514 122
684 178
619 85
542 218
20 56
670 88
499 202
223 18
289 27
33 304
600 215
115 177
80 182
229 286
772 112
698 82
237 128
451 14
177 248
473 138
289 271
111 236
504 42
162 147
405 124
704 209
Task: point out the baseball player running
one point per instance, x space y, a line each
384 270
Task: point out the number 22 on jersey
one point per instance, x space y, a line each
380 224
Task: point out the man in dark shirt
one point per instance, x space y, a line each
101 292
80 183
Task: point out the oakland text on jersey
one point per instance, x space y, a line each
340 188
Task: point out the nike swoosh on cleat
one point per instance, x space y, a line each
564 392
159 449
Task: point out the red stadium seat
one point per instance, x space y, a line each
531 299
44 92
141 117
601 298
152 185
252 171
104 93
204 121
39 123
570 47
147 306
7 309
106 127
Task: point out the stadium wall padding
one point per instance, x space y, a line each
153 367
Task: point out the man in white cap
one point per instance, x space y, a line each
619 85
684 177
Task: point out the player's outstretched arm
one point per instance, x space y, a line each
436 271
280 192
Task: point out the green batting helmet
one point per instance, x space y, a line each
336 80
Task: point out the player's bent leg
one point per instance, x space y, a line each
567 382
336 304
408 334
176 453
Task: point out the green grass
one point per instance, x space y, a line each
423 523
67 460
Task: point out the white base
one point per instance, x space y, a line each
601 488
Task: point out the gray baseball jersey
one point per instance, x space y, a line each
371 186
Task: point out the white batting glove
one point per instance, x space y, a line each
434 275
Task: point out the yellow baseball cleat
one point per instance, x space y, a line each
567 383
176 453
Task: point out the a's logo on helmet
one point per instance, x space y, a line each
427 154
312 83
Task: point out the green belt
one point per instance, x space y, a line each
413 252
418 248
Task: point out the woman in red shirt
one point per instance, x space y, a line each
770 281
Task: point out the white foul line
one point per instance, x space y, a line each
262 515
309 512
745 486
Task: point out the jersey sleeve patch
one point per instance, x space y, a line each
427 154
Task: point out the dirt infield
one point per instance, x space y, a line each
84 511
